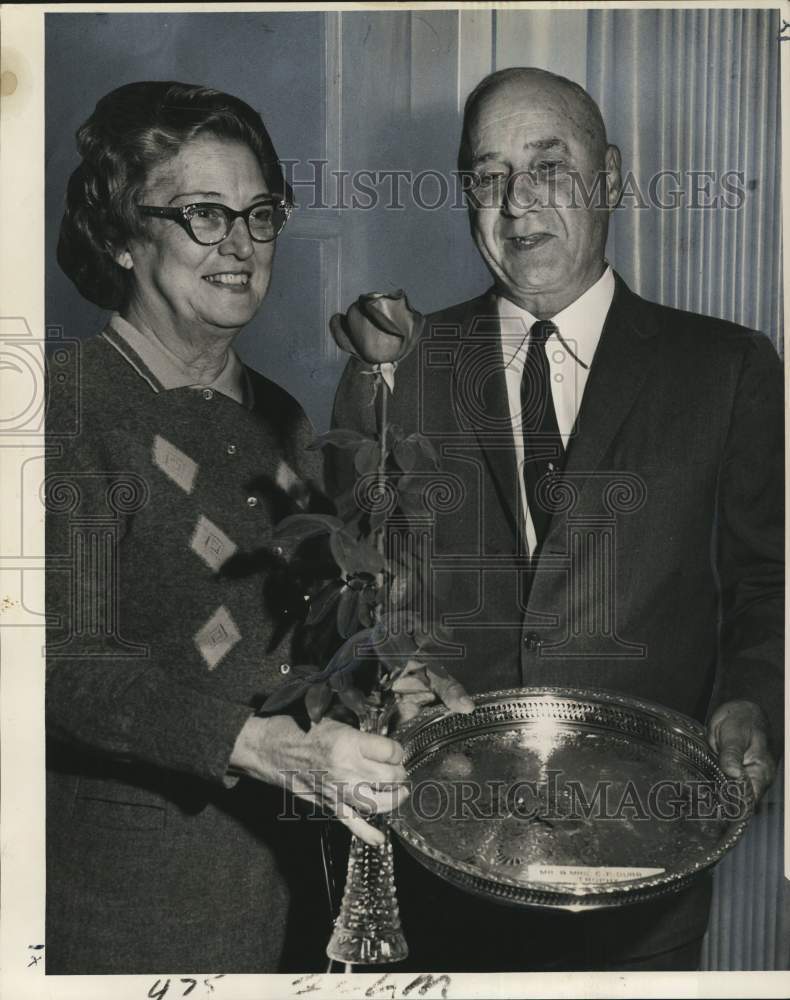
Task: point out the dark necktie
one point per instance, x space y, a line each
543 450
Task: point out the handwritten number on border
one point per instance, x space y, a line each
160 989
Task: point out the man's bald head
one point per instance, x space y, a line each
544 184
527 85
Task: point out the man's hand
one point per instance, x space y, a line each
349 772
738 732
423 684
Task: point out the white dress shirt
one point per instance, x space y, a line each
570 353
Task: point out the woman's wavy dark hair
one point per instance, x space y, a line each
131 130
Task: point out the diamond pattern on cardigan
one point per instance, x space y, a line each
217 637
211 543
174 463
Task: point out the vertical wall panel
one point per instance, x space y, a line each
555 40
376 107
400 112
434 51
475 51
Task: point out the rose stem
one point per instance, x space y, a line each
381 485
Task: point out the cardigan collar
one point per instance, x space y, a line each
163 371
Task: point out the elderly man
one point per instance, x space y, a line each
567 406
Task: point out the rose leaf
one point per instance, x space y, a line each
366 460
285 695
340 437
347 612
306 525
317 700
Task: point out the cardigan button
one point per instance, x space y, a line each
285 668
252 501
208 394
277 550
231 449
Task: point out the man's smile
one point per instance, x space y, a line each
523 244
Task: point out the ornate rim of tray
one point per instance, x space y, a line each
644 720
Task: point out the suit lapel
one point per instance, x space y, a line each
482 403
619 369
620 366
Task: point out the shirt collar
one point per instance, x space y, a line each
580 324
171 373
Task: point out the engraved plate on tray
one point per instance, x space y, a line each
566 798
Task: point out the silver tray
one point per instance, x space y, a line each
664 810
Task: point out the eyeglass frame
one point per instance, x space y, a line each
179 215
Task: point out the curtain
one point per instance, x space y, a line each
696 91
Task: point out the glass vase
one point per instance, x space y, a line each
368 929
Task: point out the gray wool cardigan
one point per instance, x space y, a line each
167 605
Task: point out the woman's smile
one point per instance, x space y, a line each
230 281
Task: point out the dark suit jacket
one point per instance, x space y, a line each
661 575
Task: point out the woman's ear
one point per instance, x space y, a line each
123 258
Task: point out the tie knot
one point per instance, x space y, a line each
542 330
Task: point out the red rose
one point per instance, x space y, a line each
379 328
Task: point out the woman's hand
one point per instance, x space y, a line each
351 773
423 684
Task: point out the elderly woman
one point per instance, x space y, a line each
165 852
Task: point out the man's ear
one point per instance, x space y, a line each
614 180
